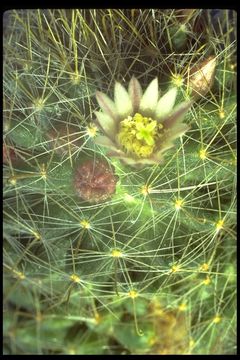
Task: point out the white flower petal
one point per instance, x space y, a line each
106 122
166 103
105 141
177 115
135 93
177 131
132 161
158 156
150 97
106 104
122 101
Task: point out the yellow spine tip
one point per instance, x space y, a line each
116 253
12 180
191 343
36 235
133 294
204 267
178 204
221 114
177 80
203 154
145 190
91 130
182 307
85 224
97 318
207 281
219 225
75 278
217 319
175 268
19 274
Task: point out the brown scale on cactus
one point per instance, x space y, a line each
95 181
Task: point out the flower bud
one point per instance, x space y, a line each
202 76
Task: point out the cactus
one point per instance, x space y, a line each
101 257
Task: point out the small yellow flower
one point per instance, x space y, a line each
139 127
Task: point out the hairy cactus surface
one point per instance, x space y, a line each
102 256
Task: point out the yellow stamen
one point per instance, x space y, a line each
138 135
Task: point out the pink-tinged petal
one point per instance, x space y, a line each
149 99
148 161
122 101
166 103
131 161
135 93
106 104
116 153
171 135
106 122
105 141
177 115
158 155
177 131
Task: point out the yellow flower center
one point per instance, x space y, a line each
138 135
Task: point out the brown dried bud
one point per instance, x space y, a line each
202 76
95 181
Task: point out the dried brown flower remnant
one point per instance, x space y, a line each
95 181
202 76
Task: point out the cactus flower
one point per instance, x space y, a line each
138 127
